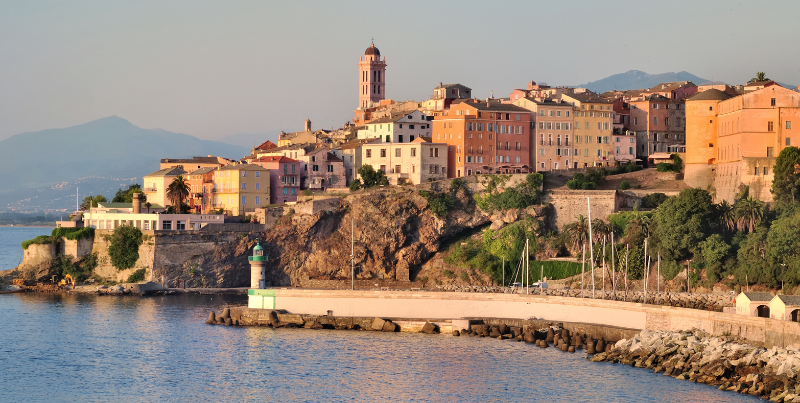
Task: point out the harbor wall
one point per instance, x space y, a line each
448 305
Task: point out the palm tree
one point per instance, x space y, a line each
577 232
600 230
727 217
749 214
147 205
178 191
760 76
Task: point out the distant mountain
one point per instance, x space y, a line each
248 140
108 152
635 79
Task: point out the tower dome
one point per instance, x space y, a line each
372 51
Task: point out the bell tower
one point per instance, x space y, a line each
372 77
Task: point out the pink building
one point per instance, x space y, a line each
675 90
325 170
284 178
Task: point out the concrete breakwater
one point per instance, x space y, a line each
709 302
720 361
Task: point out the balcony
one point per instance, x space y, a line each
150 190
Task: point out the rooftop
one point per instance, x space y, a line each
495 106
588 97
758 296
790 299
203 170
710 95
274 158
171 171
196 160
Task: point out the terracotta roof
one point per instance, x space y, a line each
355 144
274 158
267 145
496 106
549 102
758 296
710 95
761 83
588 97
172 171
671 86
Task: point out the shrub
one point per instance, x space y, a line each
517 197
355 185
464 276
449 274
124 247
457 183
624 185
137 276
39 240
440 203
653 200
589 186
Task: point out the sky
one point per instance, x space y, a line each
212 68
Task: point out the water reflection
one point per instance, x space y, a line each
89 348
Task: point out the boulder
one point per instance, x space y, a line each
226 313
273 319
429 328
229 322
456 333
316 325
388 326
377 324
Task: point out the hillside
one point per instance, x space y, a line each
102 154
635 79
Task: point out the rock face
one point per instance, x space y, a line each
395 233
719 361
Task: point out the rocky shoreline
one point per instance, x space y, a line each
721 361
708 302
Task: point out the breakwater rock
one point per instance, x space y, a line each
708 302
714 360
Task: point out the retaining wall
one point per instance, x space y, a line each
420 305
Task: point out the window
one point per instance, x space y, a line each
397 152
413 152
294 191
770 126
772 103
770 152
655 120
788 141
244 200
330 168
541 151
244 185
258 200
383 153
788 124
258 186
258 174
410 126
517 146
635 121
285 191
587 125
766 170
315 168
166 225
755 171
369 154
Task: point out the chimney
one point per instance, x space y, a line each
137 203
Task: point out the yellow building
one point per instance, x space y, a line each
240 189
592 130
155 185
417 162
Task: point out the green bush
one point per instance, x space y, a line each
73 234
624 185
517 197
124 247
449 274
589 186
653 200
457 183
355 185
39 240
440 203
137 276
464 276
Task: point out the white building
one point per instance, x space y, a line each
110 216
401 128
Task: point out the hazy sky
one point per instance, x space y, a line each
214 68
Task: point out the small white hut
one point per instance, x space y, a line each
753 304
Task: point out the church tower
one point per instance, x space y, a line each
372 77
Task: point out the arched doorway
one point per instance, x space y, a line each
796 315
762 311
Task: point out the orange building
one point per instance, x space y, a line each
750 132
484 137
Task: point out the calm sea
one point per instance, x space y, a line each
67 348
10 240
